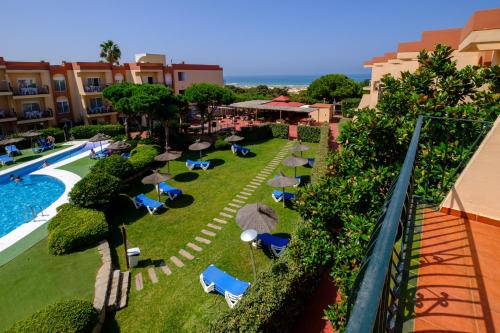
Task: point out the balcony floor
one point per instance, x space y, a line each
454 284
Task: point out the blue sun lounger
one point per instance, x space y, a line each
43 145
239 149
216 279
170 191
274 243
310 162
12 150
299 179
278 195
143 201
197 164
6 159
125 155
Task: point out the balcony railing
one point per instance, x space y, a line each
7 113
100 109
374 299
4 86
94 89
31 90
35 114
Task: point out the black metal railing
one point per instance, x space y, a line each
6 113
32 89
375 296
4 86
35 114
100 109
94 89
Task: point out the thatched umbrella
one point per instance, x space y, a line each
10 141
300 148
294 162
282 181
99 137
199 146
234 138
167 157
155 179
31 135
119 145
258 217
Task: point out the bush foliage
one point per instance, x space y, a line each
143 156
347 105
73 316
75 228
279 130
55 132
320 163
114 165
94 190
309 133
88 131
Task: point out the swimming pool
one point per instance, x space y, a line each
37 191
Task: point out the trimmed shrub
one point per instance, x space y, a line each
143 156
63 206
348 104
309 133
73 316
220 144
320 163
55 132
95 189
88 131
279 130
75 228
255 133
114 165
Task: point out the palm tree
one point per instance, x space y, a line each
110 52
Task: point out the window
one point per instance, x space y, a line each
31 106
60 84
26 82
93 81
96 103
150 80
181 76
62 106
118 78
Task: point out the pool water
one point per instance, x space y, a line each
15 199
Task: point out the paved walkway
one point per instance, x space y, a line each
458 285
214 225
334 133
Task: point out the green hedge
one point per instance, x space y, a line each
73 316
320 163
55 132
114 165
95 189
309 133
220 144
279 130
143 156
75 228
256 133
88 131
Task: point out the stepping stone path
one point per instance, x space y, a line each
165 269
208 233
186 254
238 201
177 261
225 215
152 275
241 196
253 186
234 205
220 221
203 240
246 193
138 282
194 247
230 209
213 226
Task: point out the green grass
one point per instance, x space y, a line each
35 279
80 167
28 155
177 302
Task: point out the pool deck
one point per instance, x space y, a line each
69 179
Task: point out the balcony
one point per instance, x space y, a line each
94 89
5 88
35 116
31 90
100 111
7 115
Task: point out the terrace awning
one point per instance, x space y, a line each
262 105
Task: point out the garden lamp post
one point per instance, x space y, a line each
248 236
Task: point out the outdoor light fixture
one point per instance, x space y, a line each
248 236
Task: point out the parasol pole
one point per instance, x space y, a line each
283 197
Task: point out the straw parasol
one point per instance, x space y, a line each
258 217
31 135
294 162
99 137
119 145
282 181
199 146
167 157
10 141
299 148
156 178
234 138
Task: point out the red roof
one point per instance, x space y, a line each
282 99
295 104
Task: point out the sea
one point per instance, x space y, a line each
292 81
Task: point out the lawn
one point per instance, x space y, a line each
28 155
80 167
35 279
177 302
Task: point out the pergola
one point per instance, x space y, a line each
262 105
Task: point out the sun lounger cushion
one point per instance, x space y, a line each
169 190
239 149
143 201
12 150
278 195
216 279
125 155
197 164
274 243
310 162
6 159
299 179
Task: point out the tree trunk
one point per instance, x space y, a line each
125 124
165 128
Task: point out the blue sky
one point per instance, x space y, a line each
245 37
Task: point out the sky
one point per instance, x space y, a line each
244 37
